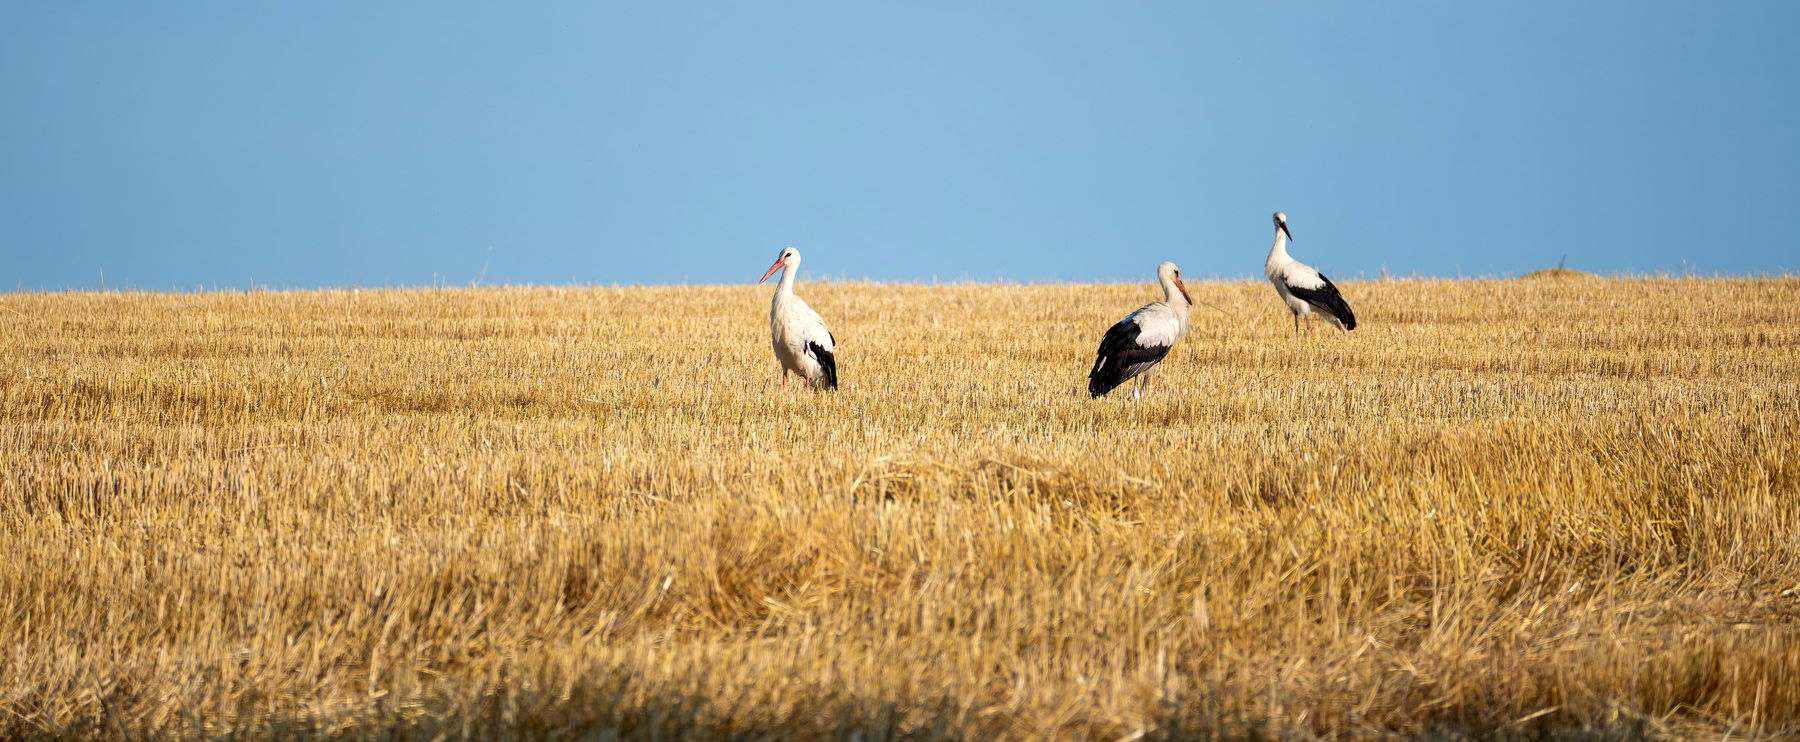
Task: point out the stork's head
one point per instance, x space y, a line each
789 258
1281 224
1167 273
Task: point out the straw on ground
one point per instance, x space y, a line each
1496 508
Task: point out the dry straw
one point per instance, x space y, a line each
1496 509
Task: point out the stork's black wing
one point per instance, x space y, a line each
827 362
1121 357
1325 298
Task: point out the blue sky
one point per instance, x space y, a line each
186 145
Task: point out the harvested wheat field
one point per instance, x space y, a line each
1498 508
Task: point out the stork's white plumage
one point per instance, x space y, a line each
802 344
1137 343
1305 291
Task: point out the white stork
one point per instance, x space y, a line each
1137 343
1305 291
802 344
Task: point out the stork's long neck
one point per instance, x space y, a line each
1173 297
787 280
1278 255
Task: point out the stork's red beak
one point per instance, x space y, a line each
1183 289
772 269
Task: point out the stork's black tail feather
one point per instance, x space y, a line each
1326 299
1335 305
1104 377
1120 358
826 362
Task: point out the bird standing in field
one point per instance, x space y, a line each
1137 343
1305 291
802 344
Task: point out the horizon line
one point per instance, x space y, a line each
1780 274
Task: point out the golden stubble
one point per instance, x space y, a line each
1497 508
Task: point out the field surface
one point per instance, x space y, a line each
1498 509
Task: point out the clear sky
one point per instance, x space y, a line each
184 145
